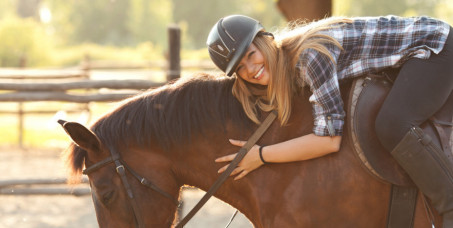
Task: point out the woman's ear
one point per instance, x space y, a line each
82 136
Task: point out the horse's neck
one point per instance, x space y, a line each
197 168
250 193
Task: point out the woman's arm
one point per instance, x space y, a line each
298 149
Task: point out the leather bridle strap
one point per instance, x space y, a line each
141 179
240 155
149 184
97 166
120 169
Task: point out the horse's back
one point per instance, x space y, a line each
331 191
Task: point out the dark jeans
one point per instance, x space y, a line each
419 91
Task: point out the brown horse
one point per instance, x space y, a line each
172 135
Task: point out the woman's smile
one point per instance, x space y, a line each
259 75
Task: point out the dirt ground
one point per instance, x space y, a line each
67 211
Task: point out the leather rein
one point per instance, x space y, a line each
121 168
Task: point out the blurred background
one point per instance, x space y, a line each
112 49
61 33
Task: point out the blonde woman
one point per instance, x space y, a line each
321 54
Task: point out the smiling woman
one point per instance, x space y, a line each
325 53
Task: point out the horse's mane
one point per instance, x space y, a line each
169 115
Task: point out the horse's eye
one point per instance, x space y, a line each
107 197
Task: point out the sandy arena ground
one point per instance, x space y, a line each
67 211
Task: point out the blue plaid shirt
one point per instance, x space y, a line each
369 45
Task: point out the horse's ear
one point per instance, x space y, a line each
81 135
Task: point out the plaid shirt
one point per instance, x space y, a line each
369 45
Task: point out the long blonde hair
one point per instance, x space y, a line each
281 56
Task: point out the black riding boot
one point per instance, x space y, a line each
430 170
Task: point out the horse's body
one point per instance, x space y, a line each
172 136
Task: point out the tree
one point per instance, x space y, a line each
148 20
28 8
305 9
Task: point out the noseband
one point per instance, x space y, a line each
121 168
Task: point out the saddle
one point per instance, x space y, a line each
366 97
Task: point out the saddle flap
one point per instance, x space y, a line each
366 98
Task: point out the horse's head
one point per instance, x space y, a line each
162 135
123 189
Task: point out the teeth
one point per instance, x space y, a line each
259 72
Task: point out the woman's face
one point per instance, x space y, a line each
251 67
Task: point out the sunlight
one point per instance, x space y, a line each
84 117
45 15
52 124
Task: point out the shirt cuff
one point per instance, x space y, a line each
329 125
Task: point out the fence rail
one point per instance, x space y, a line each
42 74
29 187
87 84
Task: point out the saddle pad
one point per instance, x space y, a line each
365 99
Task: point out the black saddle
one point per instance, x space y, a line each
366 97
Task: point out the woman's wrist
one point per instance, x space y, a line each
261 155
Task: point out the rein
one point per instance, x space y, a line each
239 156
121 168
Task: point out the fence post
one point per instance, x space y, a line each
86 67
174 47
22 65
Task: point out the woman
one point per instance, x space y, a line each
321 54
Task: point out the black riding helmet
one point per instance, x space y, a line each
229 39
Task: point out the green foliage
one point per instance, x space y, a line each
112 22
23 39
6 9
148 20
442 9
72 55
100 21
137 29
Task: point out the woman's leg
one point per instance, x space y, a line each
420 90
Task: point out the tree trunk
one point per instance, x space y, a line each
305 9
28 8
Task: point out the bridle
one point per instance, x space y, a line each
121 168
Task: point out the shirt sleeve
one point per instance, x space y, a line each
319 73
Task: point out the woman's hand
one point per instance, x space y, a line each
250 162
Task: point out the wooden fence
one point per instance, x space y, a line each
76 86
58 91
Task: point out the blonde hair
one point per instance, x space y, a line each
281 56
